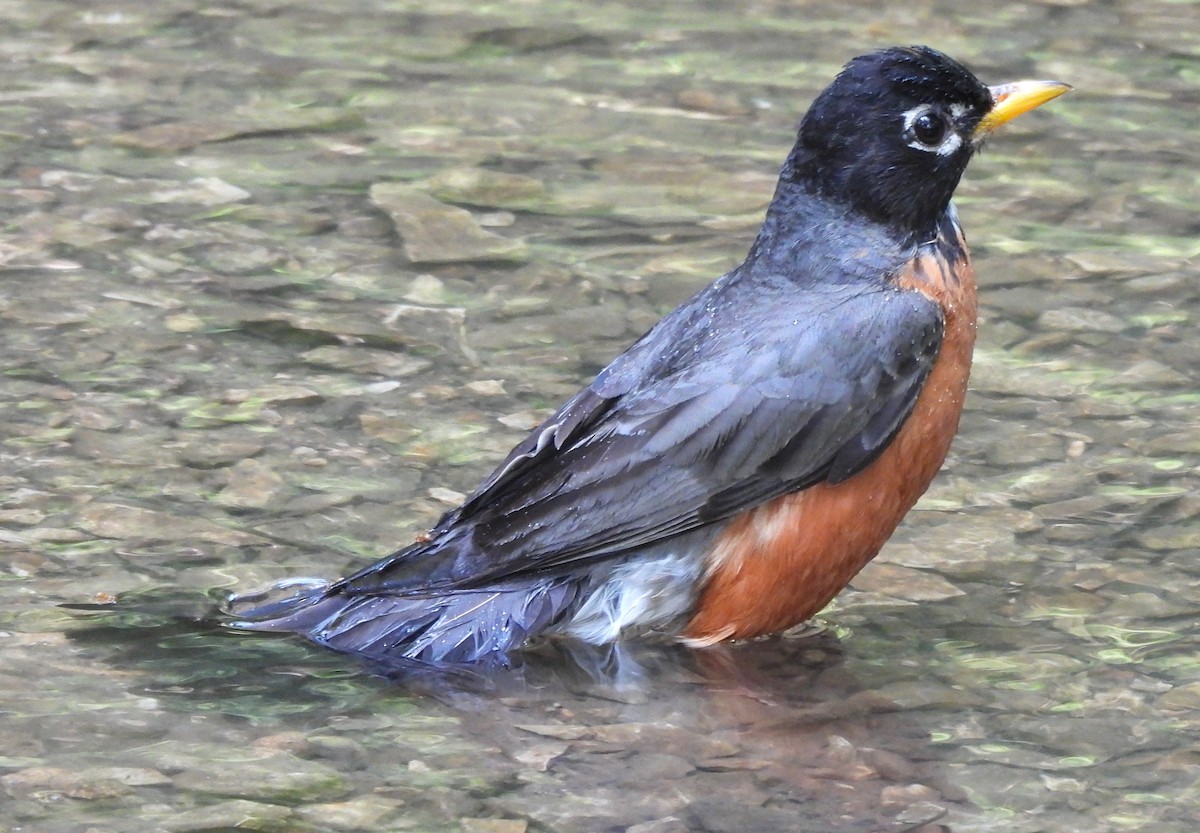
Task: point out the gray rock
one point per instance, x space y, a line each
278 778
112 520
670 824
1172 537
433 232
441 326
229 815
251 485
473 825
356 814
88 784
477 186
1080 319
235 258
905 583
366 360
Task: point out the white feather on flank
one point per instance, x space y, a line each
727 554
640 595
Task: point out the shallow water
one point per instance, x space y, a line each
223 366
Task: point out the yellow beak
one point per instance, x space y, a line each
1011 100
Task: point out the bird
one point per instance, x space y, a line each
735 468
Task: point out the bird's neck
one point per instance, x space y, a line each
810 236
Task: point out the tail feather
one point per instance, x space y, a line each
462 626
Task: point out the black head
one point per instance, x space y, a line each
891 136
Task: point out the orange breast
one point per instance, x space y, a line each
780 563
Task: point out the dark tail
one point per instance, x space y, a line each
454 627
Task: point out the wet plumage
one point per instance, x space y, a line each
764 438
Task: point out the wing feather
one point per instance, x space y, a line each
707 415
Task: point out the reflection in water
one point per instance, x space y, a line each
163 628
635 732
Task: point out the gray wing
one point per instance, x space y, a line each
720 407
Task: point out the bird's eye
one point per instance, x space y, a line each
929 129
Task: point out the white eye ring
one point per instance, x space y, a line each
949 144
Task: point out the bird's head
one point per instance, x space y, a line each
893 133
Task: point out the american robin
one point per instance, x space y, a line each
732 471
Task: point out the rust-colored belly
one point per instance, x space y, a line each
780 563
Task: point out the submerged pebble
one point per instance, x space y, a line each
279 779
434 232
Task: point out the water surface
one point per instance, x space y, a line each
223 366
